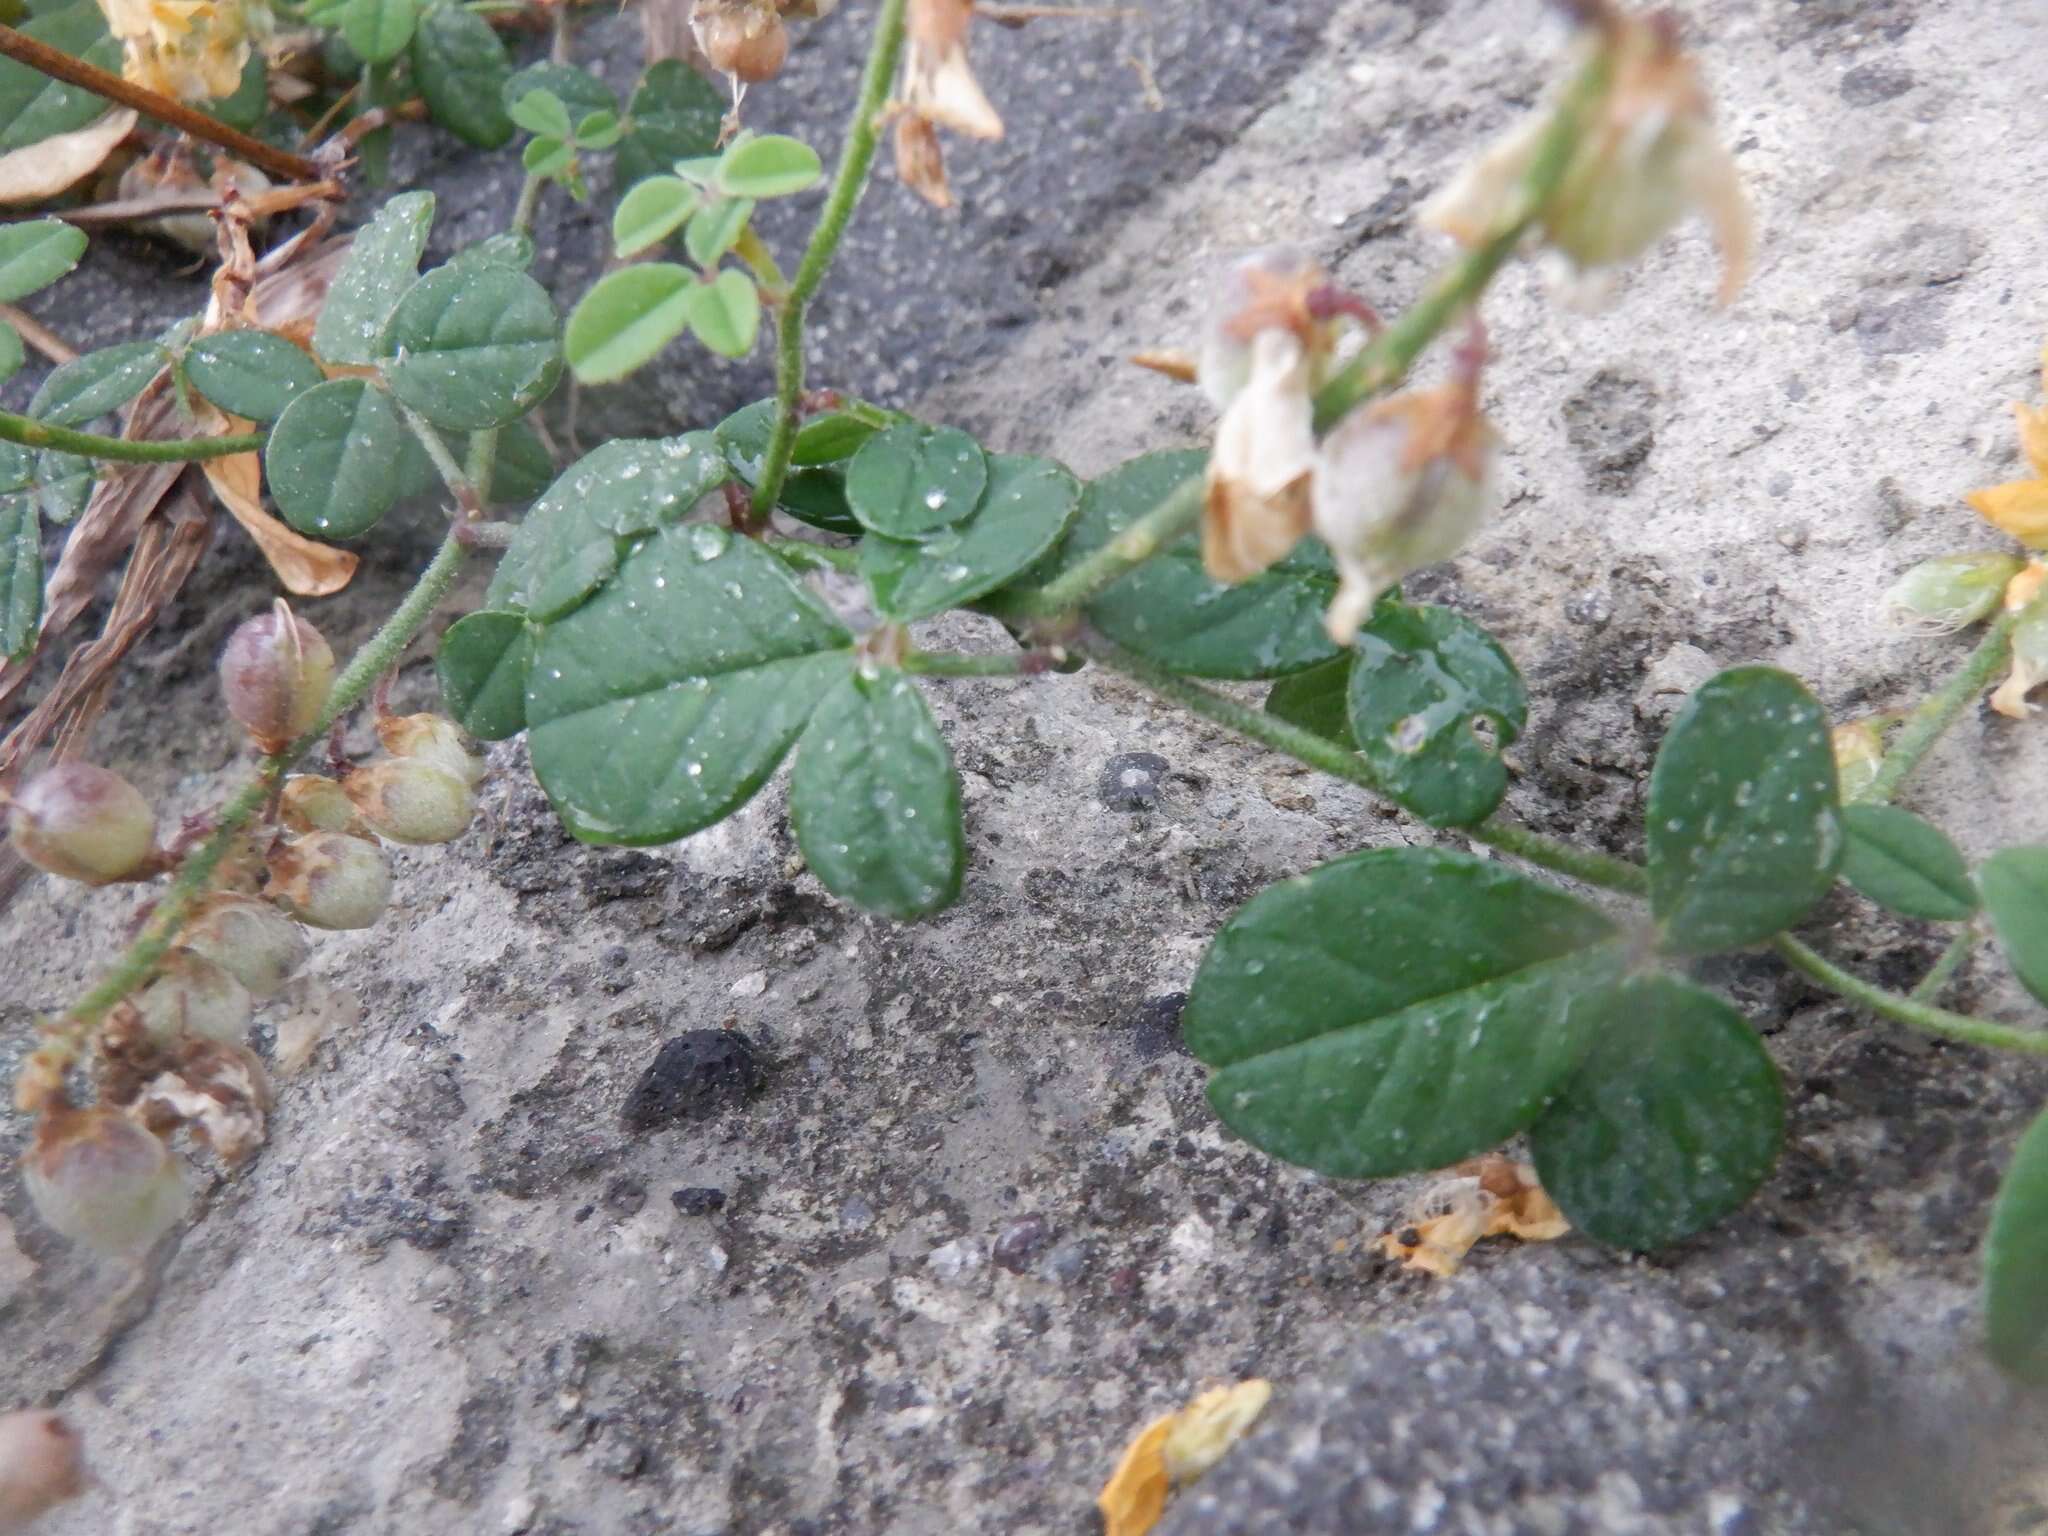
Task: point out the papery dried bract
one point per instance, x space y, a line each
2020 507
216 1089
194 995
330 880
1266 290
312 802
434 739
1256 502
1486 1197
1950 592
103 1181
742 38
192 50
937 89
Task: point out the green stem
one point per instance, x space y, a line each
1940 709
753 250
194 877
483 462
952 664
1906 1010
861 136
528 201
1322 753
1129 549
39 434
1946 965
444 461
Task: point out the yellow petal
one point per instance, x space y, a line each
2019 508
305 569
1135 1496
2033 437
1210 1425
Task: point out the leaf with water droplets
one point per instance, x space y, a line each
662 704
1433 702
910 480
2016 1263
383 261
34 253
254 374
1906 864
1318 700
1672 1122
462 69
21 573
815 495
334 461
95 383
1170 611
1744 833
1396 1010
874 799
473 347
570 542
1022 514
2015 887
483 662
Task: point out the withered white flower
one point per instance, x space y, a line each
937 90
1256 499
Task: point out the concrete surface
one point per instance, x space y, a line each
456 1293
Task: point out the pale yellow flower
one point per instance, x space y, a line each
191 50
2020 507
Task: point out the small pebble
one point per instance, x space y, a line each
697 1201
1132 781
625 1196
1067 1263
692 1077
1019 1242
954 1260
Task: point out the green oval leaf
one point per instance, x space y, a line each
655 209
675 115
874 800
33 107
2015 887
1673 1121
770 165
1905 864
2016 1263
1170 611
1021 516
255 374
1433 701
1396 1010
502 250
332 459
725 313
569 542
541 113
830 438
578 92
34 253
21 573
1318 699
382 263
911 479
524 469
627 318
461 70
715 228
663 703
63 483
483 662
818 497
378 30
474 348
96 383
11 355
600 130
1743 830
546 156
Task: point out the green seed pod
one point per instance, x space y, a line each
251 940
314 803
194 996
1950 592
434 739
103 1181
275 675
410 800
330 880
83 823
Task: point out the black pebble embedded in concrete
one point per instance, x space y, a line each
693 1076
698 1202
1132 781
1155 1032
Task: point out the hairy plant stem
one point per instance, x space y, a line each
467 503
1906 1010
38 434
847 182
1940 709
528 202
195 876
1946 965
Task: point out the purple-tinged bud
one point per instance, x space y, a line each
411 801
103 1181
276 673
330 880
249 939
194 996
84 823
434 739
42 1465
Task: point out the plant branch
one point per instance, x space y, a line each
62 66
121 450
1940 709
1129 549
377 657
1905 1010
847 182
466 499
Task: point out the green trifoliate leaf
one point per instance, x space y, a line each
675 114
715 228
627 318
483 662
1672 1122
874 798
97 383
725 313
63 483
1906 864
664 702
600 130
1743 828
255 374
772 165
2015 887
34 253
33 107
910 480
382 264
1433 701
2016 1263
335 461
461 70
652 211
578 92
1022 514
1396 1010
473 348
547 156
